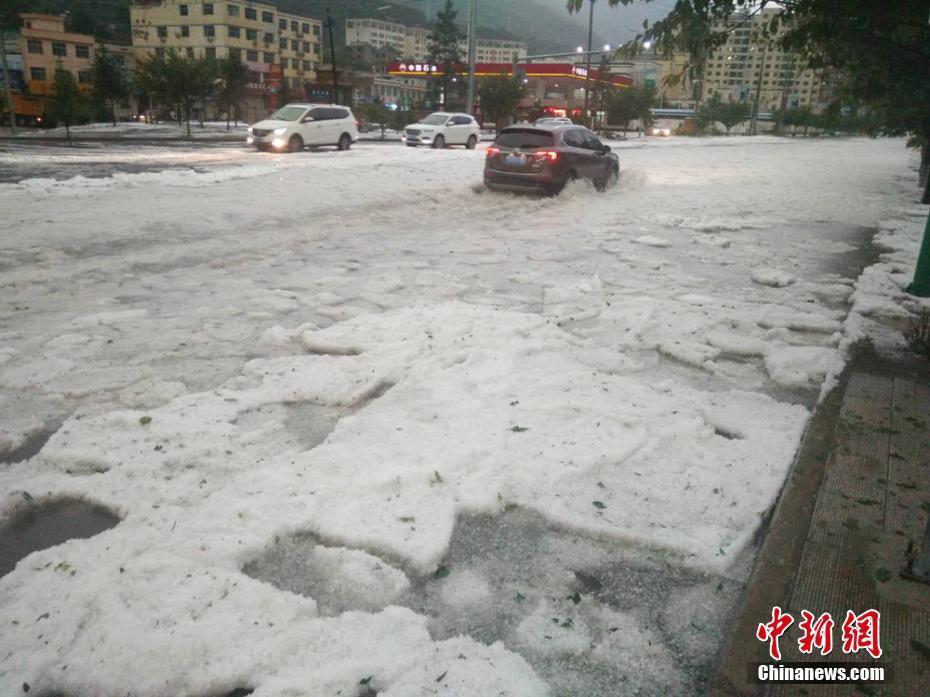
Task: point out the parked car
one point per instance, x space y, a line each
296 126
554 121
441 129
661 131
545 158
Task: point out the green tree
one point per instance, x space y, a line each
207 81
715 110
110 83
66 103
234 80
179 82
500 96
631 104
443 48
374 112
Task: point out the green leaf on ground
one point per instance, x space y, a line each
599 504
145 420
365 681
575 598
441 572
882 575
519 429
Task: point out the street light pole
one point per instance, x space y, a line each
472 44
7 83
587 77
332 53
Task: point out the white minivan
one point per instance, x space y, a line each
296 126
441 129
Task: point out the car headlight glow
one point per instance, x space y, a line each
280 131
250 129
278 142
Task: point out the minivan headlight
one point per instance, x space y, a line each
250 129
280 131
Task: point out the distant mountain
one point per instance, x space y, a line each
547 28
105 19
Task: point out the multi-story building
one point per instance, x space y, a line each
667 75
46 47
412 43
258 34
751 64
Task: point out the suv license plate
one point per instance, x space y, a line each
516 160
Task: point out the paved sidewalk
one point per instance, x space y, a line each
856 503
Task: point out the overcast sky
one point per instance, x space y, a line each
615 23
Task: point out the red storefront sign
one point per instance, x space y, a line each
533 70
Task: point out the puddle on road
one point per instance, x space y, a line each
631 621
31 446
48 525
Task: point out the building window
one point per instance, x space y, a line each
316 49
162 32
306 47
283 44
183 10
235 54
268 17
37 74
159 52
234 32
59 49
269 57
189 51
209 31
269 38
316 30
305 28
185 31
306 65
210 52
295 45
251 34
233 10
82 51
251 56
34 46
282 24
208 8
250 13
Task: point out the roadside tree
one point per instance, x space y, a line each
500 96
443 49
66 103
110 83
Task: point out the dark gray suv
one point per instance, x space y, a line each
544 158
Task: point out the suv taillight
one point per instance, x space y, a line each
547 155
492 151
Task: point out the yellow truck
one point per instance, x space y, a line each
28 109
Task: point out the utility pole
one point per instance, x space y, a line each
332 53
7 83
787 86
472 44
758 97
587 77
